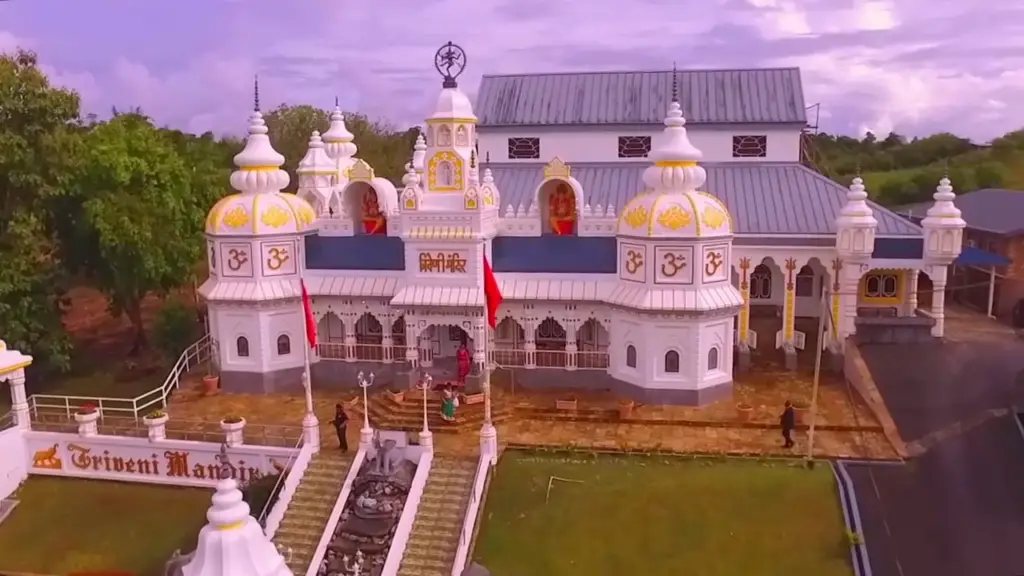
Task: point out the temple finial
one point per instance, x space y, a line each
336 104
856 171
675 83
256 93
945 168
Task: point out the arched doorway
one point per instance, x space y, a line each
439 347
330 336
509 343
369 338
592 346
551 340
365 206
925 291
558 208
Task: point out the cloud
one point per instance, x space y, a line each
912 66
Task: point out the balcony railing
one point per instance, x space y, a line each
502 356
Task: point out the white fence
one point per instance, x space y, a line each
508 357
134 408
483 468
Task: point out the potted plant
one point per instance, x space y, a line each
396 394
744 412
233 425
87 416
626 406
156 424
568 403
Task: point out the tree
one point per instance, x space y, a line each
138 222
39 146
289 128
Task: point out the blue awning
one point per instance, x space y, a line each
971 256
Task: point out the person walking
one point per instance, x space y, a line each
341 426
787 421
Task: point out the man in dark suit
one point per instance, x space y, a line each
787 421
340 426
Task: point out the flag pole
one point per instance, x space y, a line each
310 423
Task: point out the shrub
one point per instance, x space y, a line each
260 493
174 329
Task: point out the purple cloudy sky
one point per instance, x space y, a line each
916 66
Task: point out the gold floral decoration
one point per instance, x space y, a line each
275 216
636 217
714 217
237 217
674 218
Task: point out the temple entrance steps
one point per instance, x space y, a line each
435 535
306 517
406 414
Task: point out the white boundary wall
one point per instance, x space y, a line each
13 461
483 467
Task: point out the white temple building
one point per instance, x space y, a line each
636 250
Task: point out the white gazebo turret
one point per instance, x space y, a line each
943 239
316 172
419 156
340 145
12 369
233 543
855 243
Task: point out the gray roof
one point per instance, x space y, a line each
764 198
771 95
989 210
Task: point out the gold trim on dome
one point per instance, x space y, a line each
236 218
453 120
259 168
674 217
636 217
275 216
668 164
557 169
713 216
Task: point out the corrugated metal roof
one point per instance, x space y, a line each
763 198
771 95
990 209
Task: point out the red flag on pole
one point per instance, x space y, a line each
307 310
492 293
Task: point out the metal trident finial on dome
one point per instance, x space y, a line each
675 83
256 93
336 102
450 62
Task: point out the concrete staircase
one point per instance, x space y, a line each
407 415
306 518
438 526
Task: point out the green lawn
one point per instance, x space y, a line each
63 526
651 516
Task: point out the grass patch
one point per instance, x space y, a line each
656 516
67 525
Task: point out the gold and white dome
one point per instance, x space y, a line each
675 208
260 208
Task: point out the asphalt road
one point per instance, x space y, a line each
957 510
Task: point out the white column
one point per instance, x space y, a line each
938 276
386 343
849 283
426 352
530 344
350 347
480 344
19 400
911 289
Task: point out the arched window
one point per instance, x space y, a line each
284 345
761 283
713 359
805 282
242 347
672 362
631 356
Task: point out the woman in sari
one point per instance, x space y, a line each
448 404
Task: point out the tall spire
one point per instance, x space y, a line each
675 157
256 93
675 84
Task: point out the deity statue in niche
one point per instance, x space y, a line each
373 220
461 136
562 210
444 135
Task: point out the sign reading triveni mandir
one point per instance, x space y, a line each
139 460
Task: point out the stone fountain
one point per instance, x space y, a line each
368 521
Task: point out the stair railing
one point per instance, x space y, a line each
284 489
470 515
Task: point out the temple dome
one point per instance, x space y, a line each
259 215
690 214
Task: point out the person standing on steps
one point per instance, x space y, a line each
341 426
788 421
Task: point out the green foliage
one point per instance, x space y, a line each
174 329
897 170
261 493
39 145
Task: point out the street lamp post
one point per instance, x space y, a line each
366 434
426 436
